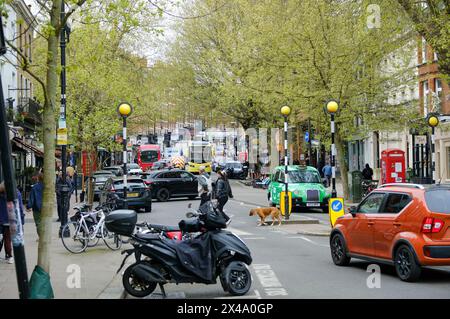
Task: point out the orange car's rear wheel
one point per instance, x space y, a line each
406 265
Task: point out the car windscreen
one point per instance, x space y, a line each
438 200
149 156
303 177
118 185
133 166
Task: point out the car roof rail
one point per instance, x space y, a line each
407 185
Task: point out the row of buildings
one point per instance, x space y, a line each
23 109
429 93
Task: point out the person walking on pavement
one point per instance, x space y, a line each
35 202
223 190
204 185
327 172
367 172
4 222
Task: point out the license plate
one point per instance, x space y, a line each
132 194
313 204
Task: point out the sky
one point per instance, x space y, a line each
156 48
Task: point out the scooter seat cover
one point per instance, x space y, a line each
196 256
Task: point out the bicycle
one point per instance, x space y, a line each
86 230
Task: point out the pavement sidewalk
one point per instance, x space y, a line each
73 276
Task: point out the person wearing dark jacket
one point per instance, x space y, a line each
35 201
4 222
367 172
223 190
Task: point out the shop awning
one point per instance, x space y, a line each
27 147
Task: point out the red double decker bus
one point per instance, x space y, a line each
148 154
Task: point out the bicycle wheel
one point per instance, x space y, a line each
79 237
112 240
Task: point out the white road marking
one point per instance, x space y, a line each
310 241
269 281
254 238
238 232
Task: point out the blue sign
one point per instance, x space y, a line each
336 205
307 136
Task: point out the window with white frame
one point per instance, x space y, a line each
425 97
424 50
438 91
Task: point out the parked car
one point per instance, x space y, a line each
305 184
405 225
234 169
138 193
134 169
170 183
99 182
116 170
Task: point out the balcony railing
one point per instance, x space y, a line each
29 109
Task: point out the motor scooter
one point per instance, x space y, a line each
210 254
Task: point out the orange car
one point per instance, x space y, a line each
402 224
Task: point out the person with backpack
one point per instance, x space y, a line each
223 190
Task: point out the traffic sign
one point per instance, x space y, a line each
335 209
61 137
282 203
307 136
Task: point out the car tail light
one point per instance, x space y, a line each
432 225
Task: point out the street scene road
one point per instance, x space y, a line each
290 265
211 149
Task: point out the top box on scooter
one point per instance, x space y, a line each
121 222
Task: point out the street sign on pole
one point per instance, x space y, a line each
335 209
306 136
61 138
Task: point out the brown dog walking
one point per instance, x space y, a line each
264 212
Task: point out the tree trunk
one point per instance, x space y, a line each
342 164
49 127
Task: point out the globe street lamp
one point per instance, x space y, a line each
433 122
124 110
332 107
285 111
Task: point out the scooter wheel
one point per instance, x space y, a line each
136 287
236 278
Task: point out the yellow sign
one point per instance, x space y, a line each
282 203
335 209
61 137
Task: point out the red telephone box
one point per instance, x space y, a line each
393 168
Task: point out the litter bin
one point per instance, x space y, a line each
356 193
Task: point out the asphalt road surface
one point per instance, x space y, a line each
296 266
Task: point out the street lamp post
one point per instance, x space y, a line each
64 188
332 108
285 111
124 110
433 121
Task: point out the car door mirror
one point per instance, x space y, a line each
352 210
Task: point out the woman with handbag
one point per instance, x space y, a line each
223 190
